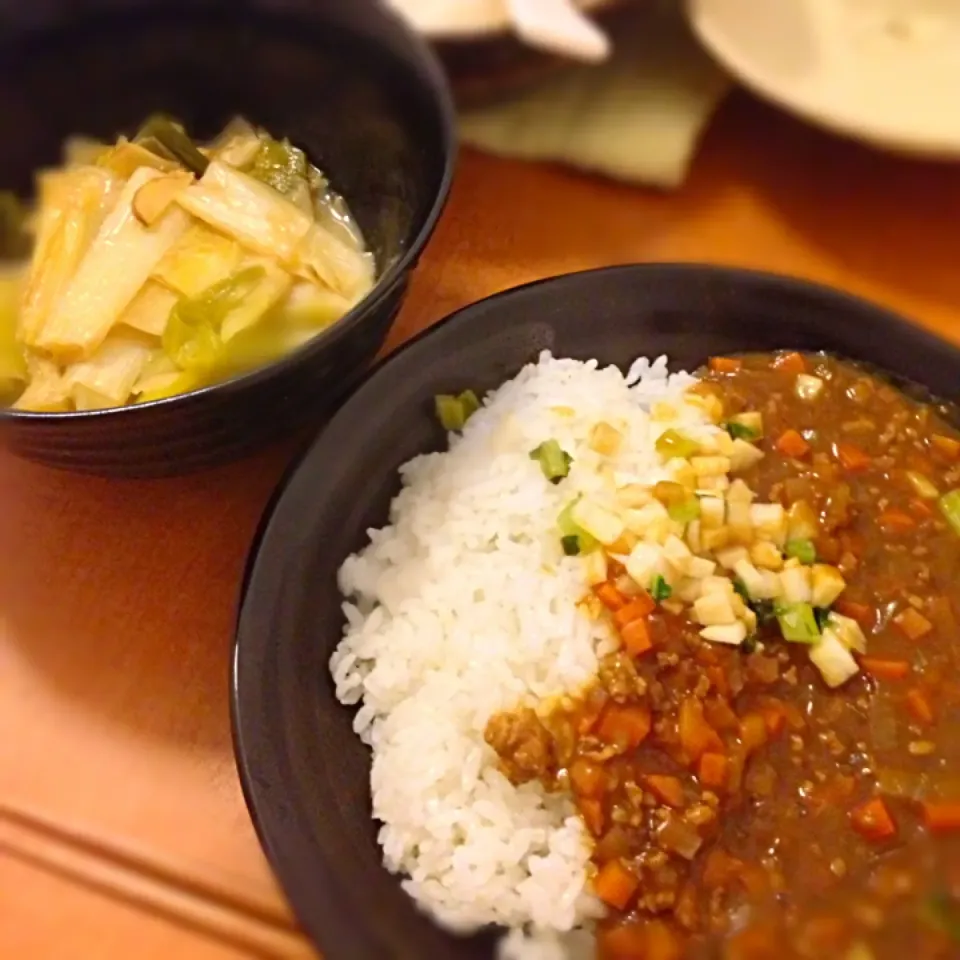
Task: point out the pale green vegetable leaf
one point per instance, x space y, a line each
199 259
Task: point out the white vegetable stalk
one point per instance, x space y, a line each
116 266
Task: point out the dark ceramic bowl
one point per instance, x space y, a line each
346 81
305 774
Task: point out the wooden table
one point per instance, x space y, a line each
123 832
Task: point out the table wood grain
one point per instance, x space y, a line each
122 827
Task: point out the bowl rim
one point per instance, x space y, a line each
435 80
256 723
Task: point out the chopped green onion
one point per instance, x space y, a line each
740 588
797 622
803 550
684 511
942 912
450 411
167 138
470 403
554 461
749 645
822 616
660 590
950 508
672 443
571 544
453 412
922 485
740 431
765 611
570 528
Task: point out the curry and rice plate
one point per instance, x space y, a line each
669 661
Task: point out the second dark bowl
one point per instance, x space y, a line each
346 81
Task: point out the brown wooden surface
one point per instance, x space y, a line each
122 828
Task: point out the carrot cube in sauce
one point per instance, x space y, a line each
666 789
625 726
636 638
615 885
872 820
712 770
792 445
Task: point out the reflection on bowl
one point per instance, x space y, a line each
349 84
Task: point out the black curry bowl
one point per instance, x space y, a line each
304 772
348 82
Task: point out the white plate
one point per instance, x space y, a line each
884 71
465 19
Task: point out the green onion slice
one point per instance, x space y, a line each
672 443
798 624
803 550
554 461
950 507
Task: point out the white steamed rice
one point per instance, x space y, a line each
463 606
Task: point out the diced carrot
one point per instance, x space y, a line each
725 364
592 813
719 868
609 595
919 705
587 777
942 816
855 611
589 713
615 885
791 362
948 446
775 717
872 820
896 521
885 669
713 770
662 943
696 735
637 607
718 677
792 445
666 789
625 726
921 508
636 638
851 457
753 732
913 624
625 941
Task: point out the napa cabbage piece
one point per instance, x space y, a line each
107 379
267 223
13 366
192 339
237 144
73 206
118 263
272 287
150 309
46 391
201 258
284 167
127 157
315 308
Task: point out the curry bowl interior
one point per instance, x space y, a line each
305 774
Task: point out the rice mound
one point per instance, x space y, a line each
464 605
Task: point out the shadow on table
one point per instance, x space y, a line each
122 594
